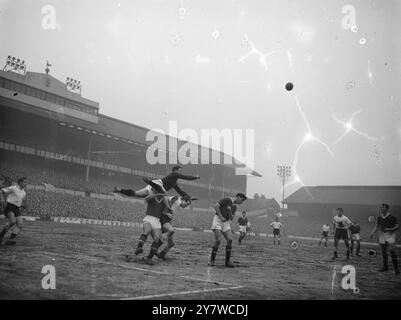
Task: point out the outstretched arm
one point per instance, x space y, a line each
186 177
126 192
7 190
4 192
181 192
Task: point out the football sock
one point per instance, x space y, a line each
3 233
214 253
394 259
142 240
13 236
228 250
153 249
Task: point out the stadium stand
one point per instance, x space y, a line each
67 179
47 205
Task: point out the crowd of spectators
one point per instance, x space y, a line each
66 179
42 172
50 204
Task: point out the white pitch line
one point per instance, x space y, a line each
81 257
207 280
181 293
113 295
135 268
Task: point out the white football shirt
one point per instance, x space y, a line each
15 195
276 224
341 222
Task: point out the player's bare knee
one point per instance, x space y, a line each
146 229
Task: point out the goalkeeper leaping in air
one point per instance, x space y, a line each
161 185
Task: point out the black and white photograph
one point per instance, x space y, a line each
211 153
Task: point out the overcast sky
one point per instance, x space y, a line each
148 62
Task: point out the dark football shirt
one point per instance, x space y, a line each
355 229
389 222
164 218
154 208
243 221
170 181
227 208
